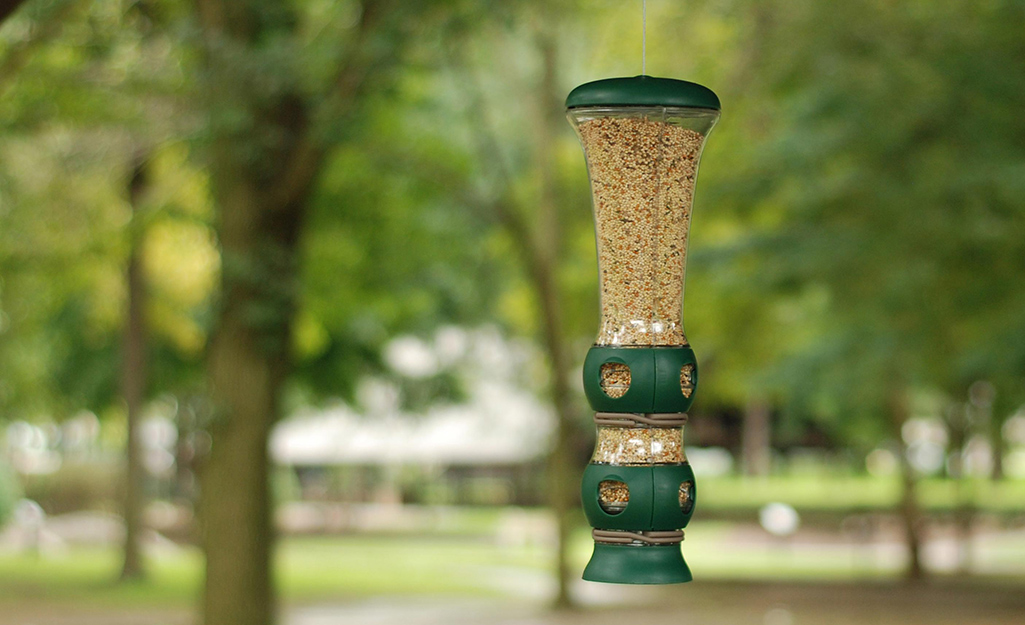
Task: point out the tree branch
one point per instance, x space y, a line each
307 156
7 7
489 151
45 29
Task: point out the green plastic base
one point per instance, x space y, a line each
629 564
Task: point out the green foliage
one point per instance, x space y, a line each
869 225
93 86
858 218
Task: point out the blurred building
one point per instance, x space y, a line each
488 448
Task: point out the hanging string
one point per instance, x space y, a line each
644 37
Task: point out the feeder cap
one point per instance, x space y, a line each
643 91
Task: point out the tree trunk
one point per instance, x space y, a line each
756 438
8 7
248 362
262 176
562 473
988 404
184 489
959 430
540 247
133 383
1003 409
910 512
234 493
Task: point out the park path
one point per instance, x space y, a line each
939 603
712 604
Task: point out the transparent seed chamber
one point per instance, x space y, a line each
638 445
642 162
638 440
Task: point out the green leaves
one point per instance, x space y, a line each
876 181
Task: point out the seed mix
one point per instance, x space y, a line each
642 179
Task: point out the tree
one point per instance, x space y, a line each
893 217
65 226
133 383
9 7
539 223
275 104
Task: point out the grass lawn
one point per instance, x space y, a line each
309 569
342 568
854 492
463 552
415 576
87 576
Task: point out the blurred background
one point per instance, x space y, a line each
294 298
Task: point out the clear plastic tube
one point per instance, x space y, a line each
628 446
642 163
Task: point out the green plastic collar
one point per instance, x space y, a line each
654 497
654 378
643 91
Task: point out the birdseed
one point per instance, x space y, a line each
639 446
613 496
642 181
686 497
615 379
687 380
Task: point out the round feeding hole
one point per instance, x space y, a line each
613 496
687 497
687 380
615 379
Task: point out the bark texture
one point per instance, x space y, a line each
264 165
133 382
910 511
548 249
258 226
7 7
540 244
247 364
756 436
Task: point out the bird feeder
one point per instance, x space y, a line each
642 139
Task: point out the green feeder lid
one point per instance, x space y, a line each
643 91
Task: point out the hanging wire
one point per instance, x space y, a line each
644 37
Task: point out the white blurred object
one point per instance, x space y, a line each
926 457
158 433
502 421
779 519
978 457
411 357
1014 429
450 345
881 462
29 514
1014 464
779 616
28 532
29 451
710 461
81 432
924 430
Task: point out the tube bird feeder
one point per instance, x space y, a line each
642 139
